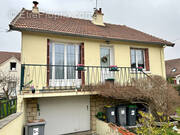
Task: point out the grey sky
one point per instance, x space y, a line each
160 18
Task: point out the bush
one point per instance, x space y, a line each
148 125
153 92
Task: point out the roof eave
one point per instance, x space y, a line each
85 36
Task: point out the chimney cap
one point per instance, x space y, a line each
35 3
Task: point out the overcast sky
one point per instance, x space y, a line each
160 18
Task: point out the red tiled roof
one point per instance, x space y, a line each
170 65
4 56
50 23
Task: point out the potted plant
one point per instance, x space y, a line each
140 68
33 89
80 67
113 68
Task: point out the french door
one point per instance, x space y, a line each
107 59
63 59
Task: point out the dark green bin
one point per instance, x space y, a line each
131 115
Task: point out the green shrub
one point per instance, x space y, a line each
149 126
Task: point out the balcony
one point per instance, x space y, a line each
58 78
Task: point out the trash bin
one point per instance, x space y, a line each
110 114
131 115
35 128
121 115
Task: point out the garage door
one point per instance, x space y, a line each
65 115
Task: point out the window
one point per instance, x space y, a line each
64 54
13 66
138 58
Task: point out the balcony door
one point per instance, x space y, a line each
63 59
107 59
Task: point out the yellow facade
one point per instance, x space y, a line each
34 51
15 127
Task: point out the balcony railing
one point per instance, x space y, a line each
68 77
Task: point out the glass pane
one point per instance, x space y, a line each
71 60
133 58
140 58
59 61
105 56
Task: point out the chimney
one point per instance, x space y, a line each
35 8
97 17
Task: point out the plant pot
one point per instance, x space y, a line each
110 81
113 69
80 68
33 91
140 68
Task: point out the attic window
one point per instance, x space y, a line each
173 70
13 66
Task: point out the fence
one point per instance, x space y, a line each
44 77
7 107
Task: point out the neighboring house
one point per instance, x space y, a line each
10 65
173 70
53 46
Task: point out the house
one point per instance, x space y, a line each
10 65
64 57
173 70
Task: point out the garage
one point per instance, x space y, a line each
65 115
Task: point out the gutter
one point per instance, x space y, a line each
86 36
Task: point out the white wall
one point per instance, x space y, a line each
5 69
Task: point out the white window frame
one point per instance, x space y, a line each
65 81
105 73
144 69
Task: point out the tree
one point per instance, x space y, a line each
8 83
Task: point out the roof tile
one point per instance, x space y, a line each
4 56
74 26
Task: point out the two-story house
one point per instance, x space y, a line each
62 57
10 67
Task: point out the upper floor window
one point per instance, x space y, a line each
13 66
64 55
139 58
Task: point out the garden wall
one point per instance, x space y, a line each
12 125
97 104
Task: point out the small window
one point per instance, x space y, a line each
13 66
137 58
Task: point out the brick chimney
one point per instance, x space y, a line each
35 9
97 17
